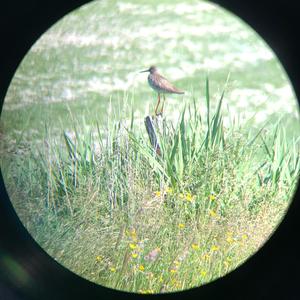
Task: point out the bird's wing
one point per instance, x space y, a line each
163 83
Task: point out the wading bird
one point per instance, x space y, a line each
161 85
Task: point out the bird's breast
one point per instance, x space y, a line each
154 84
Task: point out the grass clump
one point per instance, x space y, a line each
112 210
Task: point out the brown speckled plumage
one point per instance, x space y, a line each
161 85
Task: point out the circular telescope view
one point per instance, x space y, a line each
150 146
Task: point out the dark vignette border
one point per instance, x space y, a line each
272 273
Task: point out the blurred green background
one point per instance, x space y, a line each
92 57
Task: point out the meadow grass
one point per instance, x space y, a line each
105 205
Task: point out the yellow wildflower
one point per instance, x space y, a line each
195 246
173 270
161 278
141 268
176 263
175 283
181 196
189 197
181 225
99 258
133 235
214 248
212 197
134 255
157 193
244 237
132 246
169 190
203 273
227 262
206 256
229 240
212 213
112 269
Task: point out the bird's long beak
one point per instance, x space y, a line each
145 71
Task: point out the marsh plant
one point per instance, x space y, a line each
103 203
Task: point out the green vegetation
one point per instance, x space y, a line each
95 54
104 204
81 172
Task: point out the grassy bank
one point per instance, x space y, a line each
104 204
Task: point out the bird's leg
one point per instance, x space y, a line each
157 104
162 108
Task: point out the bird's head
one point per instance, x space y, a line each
152 70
